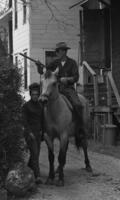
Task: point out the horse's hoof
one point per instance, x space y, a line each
49 181
60 183
89 169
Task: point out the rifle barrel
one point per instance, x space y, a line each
33 60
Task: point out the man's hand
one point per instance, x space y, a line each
64 80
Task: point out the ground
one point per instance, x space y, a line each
102 184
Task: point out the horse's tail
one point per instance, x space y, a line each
78 138
81 130
80 133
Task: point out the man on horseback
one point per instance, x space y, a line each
32 122
68 75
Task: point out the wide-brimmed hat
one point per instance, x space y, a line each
61 45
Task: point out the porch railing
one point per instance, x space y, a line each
111 84
103 114
95 85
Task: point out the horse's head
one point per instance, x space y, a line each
49 85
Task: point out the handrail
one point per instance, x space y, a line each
113 85
89 68
95 84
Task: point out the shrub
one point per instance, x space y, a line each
10 115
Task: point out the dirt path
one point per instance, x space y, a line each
103 184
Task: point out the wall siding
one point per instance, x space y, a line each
46 32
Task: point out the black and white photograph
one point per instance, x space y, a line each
59 99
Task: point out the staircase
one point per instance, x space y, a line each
102 95
103 98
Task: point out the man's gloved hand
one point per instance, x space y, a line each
64 80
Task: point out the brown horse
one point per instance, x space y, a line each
59 124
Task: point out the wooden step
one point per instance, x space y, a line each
102 94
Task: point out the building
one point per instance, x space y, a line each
34 27
100 49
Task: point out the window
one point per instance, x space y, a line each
24 12
25 72
49 57
16 14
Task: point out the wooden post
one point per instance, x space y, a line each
109 98
95 89
95 85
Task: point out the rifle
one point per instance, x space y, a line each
33 60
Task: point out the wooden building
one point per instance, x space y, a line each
99 42
34 27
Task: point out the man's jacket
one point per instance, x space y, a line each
70 69
32 116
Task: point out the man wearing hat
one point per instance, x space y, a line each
68 75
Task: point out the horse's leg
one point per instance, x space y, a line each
87 162
50 179
62 159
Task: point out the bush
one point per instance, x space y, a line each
10 115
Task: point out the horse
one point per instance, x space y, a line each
59 124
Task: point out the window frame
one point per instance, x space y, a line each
49 51
25 73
